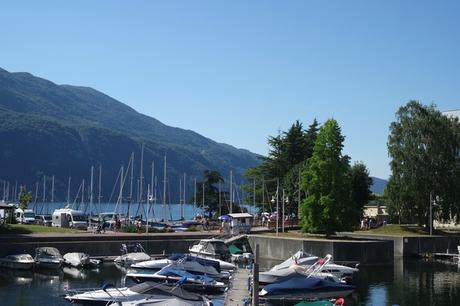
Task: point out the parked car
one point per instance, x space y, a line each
26 216
45 220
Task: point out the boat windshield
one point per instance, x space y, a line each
79 218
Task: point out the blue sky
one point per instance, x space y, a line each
239 71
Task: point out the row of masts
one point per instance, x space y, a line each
151 191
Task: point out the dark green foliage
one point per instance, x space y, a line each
25 197
287 156
360 185
326 181
46 129
424 147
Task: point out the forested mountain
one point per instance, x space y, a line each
62 130
378 185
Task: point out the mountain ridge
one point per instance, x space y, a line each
92 115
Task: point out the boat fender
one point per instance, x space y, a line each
339 302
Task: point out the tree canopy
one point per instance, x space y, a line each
424 148
25 197
288 153
326 181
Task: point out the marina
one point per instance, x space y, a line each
404 282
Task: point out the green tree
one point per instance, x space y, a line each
326 181
360 185
288 153
211 179
25 197
424 147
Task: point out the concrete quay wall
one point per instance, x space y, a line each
98 245
363 251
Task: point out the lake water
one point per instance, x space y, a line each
156 211
406 282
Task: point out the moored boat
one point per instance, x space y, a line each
154 292
189 263
171 275
212 248
48 258
131 253
301 287
19 261
81 260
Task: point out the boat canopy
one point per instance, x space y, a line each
172 271
48 251
152 288
200 260
297 281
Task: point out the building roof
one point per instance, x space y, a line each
240 215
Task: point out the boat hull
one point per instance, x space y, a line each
16 265
300 295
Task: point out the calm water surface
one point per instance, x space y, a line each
408 282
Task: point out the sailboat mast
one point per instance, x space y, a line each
83 193
141 177
164 191
44 188
220 199
91 195
131 163
180 196
254 194
194 196
182 208
120 194
231 191
35 198
99 190
68 190
52 189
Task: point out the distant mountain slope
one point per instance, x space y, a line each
378 185
61 130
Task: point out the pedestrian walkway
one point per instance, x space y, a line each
238 292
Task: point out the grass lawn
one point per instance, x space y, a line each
387 230
399 230
34 229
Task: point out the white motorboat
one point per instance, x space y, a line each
189 263
151 291
48 258
131 253
175 301
19 261
301 287
81 260
307 260
270 277
299 258
172 275
211 248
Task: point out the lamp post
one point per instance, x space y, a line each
433 202
286 201
273 202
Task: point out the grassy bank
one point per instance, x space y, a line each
387 230
34 229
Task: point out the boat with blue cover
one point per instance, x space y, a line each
173 275
301 287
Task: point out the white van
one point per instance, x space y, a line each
26 216
67 217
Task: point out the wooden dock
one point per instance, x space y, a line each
238 291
